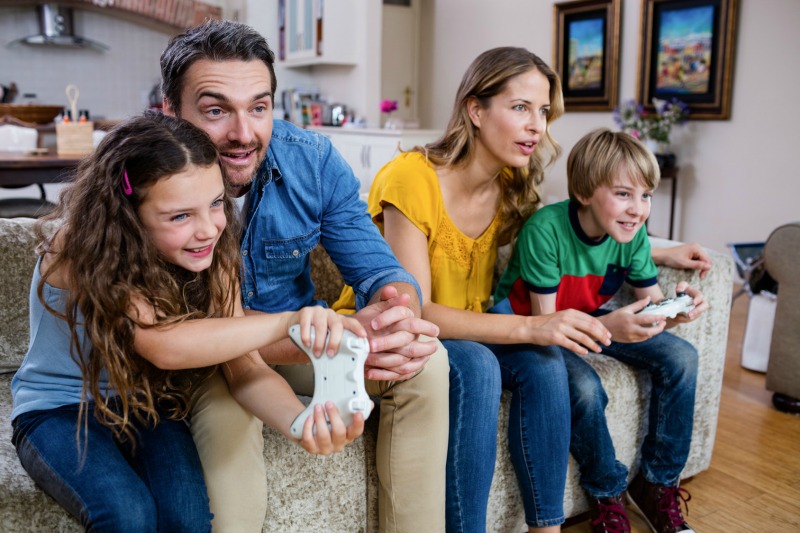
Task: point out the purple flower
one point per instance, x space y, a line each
387 106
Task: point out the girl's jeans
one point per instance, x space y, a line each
538 433
671 363
108 485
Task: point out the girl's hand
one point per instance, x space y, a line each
699 301
571 329
325 321
627 326
328 441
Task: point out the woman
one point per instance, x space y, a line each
445 209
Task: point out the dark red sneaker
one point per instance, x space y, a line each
609 515
660 505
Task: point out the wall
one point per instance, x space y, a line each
738 178
355 86
113 84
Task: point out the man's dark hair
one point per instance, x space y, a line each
217 40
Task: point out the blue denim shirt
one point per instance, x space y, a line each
305 193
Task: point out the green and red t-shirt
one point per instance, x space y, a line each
554 255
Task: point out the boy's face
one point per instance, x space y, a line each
618 210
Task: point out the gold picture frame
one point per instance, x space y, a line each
586 42
686 52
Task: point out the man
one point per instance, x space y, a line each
220 77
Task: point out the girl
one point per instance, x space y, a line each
134 301
445 209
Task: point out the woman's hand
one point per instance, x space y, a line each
685 257
327 441
325 321
571 329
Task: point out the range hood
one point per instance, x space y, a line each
56 29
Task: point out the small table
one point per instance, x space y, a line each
21 169
671 173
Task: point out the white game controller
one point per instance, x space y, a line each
339 379
670 307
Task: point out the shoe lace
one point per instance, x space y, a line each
612 516
670 504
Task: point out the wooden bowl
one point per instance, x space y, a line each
37 114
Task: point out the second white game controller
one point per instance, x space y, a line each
670 307
339 379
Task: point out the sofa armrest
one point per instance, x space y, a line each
781 258
709 335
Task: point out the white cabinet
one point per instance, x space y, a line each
315 32
366 151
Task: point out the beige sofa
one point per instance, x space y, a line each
338 494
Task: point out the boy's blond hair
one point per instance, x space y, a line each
600 156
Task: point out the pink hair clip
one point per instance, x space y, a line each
126 183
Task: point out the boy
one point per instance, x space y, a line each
577 254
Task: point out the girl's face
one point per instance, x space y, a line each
513 122
184 216
618 210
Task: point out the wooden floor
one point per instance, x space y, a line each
753 484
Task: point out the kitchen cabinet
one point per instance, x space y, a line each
316 32
367 150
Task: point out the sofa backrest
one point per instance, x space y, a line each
17 260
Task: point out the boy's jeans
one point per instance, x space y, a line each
671 363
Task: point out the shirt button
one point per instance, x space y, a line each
244 253
296 253
249 294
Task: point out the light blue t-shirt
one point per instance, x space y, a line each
48 377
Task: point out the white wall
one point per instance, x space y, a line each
112 84
738 178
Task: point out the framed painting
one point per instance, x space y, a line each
686 52
586 53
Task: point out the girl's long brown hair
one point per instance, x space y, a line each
486 77
108 258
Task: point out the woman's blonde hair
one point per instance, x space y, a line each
599 156
486 77
108 259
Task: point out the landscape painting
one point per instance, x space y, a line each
586 51
686 52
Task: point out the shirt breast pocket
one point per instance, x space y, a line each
613 280
286 259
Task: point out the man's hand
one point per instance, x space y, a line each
396 353
685 257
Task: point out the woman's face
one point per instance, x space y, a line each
514 121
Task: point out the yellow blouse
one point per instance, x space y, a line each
461 267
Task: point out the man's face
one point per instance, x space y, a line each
232 102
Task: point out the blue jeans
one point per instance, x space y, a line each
107 484
671 363
538 433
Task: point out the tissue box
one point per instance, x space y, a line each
74 138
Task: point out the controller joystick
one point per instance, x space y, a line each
339 379
670 307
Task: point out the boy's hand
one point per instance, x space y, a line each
327 441
628 326
325 320
699 301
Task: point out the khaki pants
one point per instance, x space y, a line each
411 452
